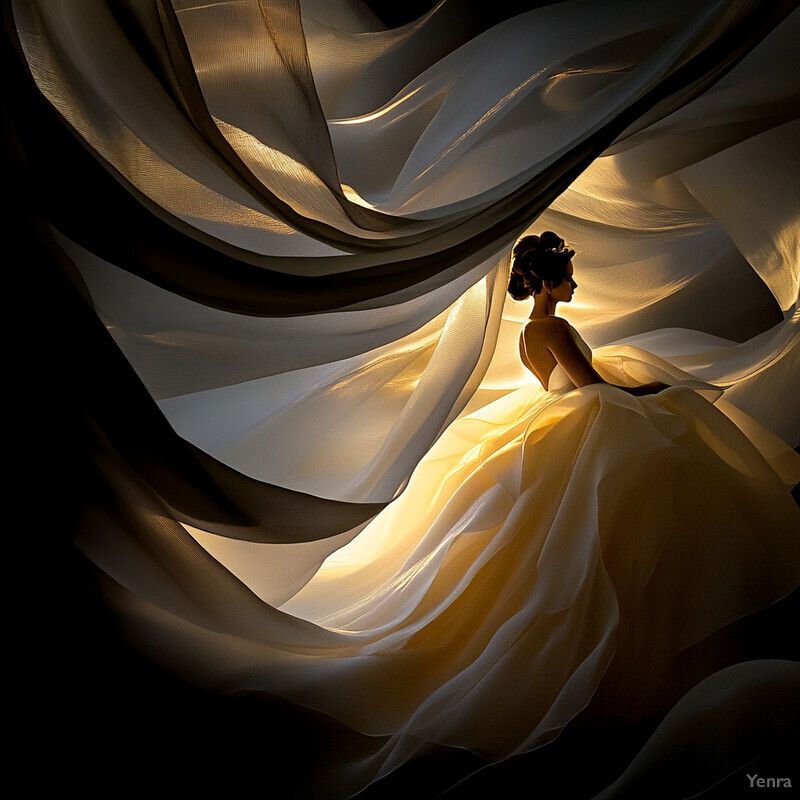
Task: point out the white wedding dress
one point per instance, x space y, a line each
549 542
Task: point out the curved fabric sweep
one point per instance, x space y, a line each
268 247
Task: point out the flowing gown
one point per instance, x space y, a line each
550 541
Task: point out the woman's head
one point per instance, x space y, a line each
539 262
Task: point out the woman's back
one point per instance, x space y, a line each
539 340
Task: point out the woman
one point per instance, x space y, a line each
553 548
542 267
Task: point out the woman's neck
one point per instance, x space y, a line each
543 306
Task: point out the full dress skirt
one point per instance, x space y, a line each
550 541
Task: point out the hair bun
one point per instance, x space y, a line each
547 241
525 245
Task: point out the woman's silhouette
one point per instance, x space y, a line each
542 267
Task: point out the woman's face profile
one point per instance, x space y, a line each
563 291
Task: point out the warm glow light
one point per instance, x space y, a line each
381 112
354 197
291 180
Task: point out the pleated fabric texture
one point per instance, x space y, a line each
279 236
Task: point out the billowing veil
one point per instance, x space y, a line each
270 244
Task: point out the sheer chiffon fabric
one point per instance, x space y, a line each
315 458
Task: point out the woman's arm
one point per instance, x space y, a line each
560 342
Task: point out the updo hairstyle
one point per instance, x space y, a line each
536 259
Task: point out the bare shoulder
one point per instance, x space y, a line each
546 330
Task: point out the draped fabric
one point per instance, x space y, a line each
267 252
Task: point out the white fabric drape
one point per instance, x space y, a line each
404 164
